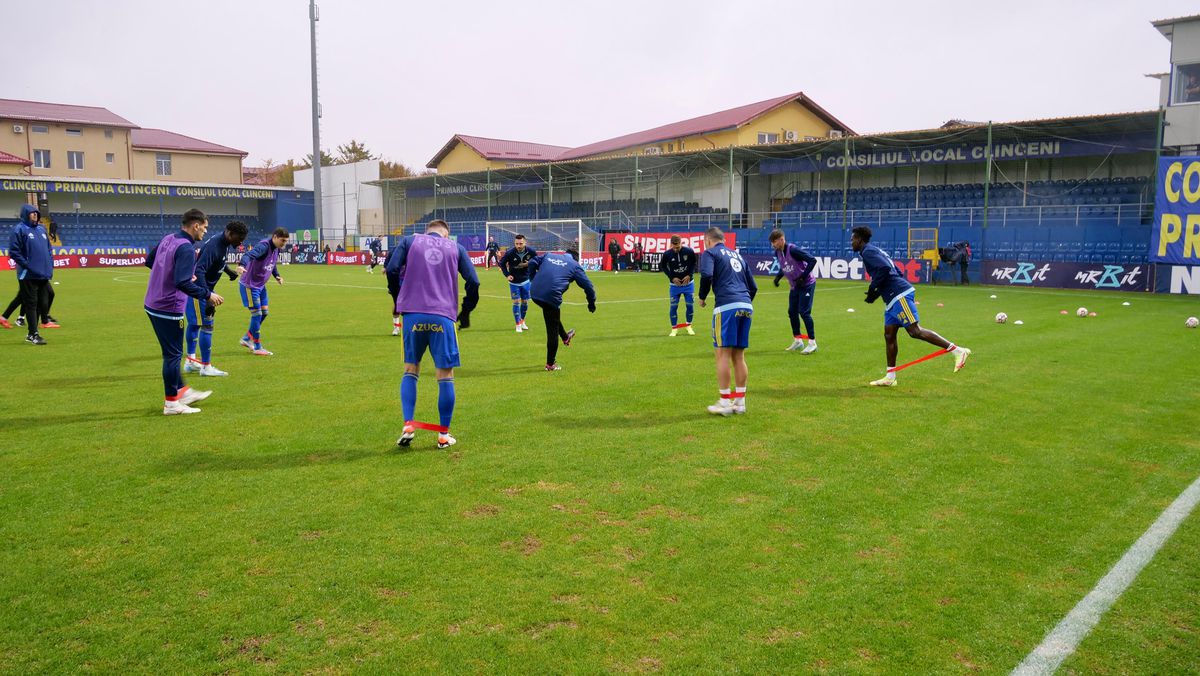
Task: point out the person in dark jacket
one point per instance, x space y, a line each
29 249
551 275
614 253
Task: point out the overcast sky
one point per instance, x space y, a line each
405 76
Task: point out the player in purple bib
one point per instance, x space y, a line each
258 264
796 265
172 266
428 303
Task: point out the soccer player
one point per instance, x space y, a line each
258 264
200 313
723 271
172 267
429 302
901 306
552 275
394 281
493 252
29 249
514 265
376 248
679 264
797 265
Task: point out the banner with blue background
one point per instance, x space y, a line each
1175 237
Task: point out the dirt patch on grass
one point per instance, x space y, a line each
808 483
538 631
389 593
961 658
310 535
668 512
528 546
481 511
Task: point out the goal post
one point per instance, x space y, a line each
543 235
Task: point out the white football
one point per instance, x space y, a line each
1001 317
1192 322
1082 312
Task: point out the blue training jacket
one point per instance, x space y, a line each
29 247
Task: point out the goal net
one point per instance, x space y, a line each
546 235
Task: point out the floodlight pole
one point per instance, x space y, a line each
987 184
730 209
313 17
637 186
550 187
488 185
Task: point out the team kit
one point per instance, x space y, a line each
422 273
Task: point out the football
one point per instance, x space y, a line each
1001 317
1192 322
1082 312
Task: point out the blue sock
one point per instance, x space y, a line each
446 401
255 325
205 346
674 311
688 300
524 309
408 396
191 339
516 312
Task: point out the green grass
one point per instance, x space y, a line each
596 519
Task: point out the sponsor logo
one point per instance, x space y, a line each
83 261
1023 273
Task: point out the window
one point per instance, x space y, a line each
74 132
765 137
75 160
1186 84
41 159
39 129
109 158
162 164
107 133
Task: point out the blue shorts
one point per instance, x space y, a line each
519 291
685 290
433 332
199 312
902 312
731 325
253 298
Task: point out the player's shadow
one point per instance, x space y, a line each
799 393
57 420
83 381
609 421
208 461
469 373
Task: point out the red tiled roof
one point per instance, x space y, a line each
38 111
500 149
725 119
161 139
7 158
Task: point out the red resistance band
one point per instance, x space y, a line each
427 426
681 326
914 362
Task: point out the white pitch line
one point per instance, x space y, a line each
1062 641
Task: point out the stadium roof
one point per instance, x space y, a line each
720 121
37 111
8 158
500 149
1166 26
1128 124
161 139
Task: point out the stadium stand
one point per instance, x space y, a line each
125 230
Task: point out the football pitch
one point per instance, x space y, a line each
597 519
